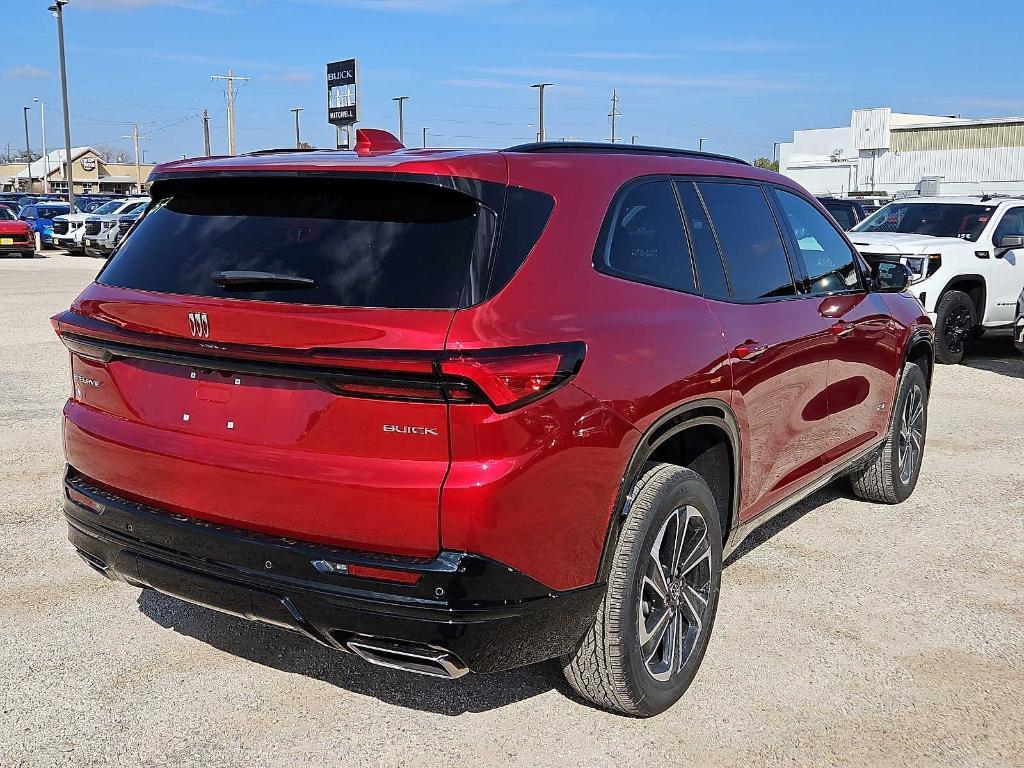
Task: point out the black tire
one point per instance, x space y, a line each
28 255
610 667
956 319
887 479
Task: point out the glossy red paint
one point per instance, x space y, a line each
534 487
20 230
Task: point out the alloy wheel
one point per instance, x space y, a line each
674 593
911 445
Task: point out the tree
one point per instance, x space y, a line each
21 157
768 165
109 154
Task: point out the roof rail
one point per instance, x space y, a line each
986 196
624 149
257 152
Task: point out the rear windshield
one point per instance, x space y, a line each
355 243
960 220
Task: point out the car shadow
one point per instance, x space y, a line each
838 489
996 354
296 654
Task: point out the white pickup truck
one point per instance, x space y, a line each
966 257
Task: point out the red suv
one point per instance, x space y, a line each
459 410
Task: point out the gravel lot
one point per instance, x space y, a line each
848 633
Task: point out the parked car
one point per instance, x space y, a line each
70 231
1018 324
397 401
89 203
40 218
848 213
966 255
102 232
15 235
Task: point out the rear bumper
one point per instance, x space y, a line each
18 247
485 615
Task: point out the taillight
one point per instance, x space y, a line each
510 378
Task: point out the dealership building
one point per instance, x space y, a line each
91 173
886 152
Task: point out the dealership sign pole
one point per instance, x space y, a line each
343 96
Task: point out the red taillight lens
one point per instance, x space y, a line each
383 574
510 378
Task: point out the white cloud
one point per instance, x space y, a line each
417 6
738 82
481 82
292 77
207 6
28 72
623 56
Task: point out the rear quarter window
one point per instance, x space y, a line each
644 240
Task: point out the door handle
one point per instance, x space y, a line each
750 350
841 329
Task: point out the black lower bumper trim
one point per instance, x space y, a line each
487 615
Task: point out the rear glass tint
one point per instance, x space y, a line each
363 243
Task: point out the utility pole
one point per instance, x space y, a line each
425 137
231 77
700 144
42 131
138 170
401 117
28 151
298 137
614 113
58 9
540 108
206 132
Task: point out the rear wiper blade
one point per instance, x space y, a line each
245 279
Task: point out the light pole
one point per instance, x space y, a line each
775 151
298 138
633 138
58 9
540 108
28 151
425 137
700 144
401 117
42 132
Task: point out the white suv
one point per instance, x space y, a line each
69 230
966 255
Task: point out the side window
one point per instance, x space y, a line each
645 242
28 212
842 215
828 260
755 257
1012 223
710 272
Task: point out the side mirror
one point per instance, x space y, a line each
1008 243
890 276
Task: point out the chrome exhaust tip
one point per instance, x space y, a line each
94 562
434 662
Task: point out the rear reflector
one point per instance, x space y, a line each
84 501
383 574
510 378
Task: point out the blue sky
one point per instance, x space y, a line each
742 73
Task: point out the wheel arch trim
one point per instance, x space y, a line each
706 411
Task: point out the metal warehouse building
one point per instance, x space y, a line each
886 152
